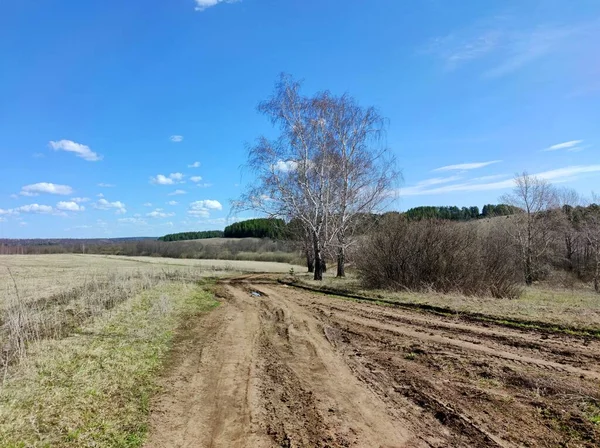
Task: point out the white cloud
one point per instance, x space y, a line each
204 185
2 219
45 187
202 5
6 212
177 193
466 166
80 200
285 167
70 206
172 202
176 138
148 204
103 185
159 213
208 203
162 180
80 150
194 165
100 195
118 206
34 208
569 146
171 179
203 208
196 178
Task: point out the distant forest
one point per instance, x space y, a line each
454 213
275 229
256 228
278 229
192 235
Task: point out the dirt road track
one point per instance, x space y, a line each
295 369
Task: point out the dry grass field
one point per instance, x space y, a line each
110 351
83 337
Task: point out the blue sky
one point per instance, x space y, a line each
131 118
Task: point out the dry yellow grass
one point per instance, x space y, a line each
83 337
46 275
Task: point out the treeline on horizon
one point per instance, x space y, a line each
454 213
278 229
182 236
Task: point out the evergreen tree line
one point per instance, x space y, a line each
454 213
192 235
256 228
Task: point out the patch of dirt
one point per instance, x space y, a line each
290 368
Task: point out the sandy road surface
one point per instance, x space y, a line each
295 369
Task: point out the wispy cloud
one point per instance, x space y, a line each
194 165
176 138
558 175
466 166
196 179
136 221
118 206
172 203
171 179
34 208
103 185
505 46
202 5
80 150
572 146
45 187
80 200
148 204
177 193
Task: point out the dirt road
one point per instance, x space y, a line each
287 368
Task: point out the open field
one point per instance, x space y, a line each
46 275
275 366
112 351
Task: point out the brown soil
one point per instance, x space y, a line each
290 368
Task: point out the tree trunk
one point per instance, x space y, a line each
341 260
597 273
528 256
319 262
310 260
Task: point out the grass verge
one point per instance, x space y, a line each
492 311
93 388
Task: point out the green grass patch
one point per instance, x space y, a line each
93 388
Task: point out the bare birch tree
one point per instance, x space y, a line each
294 172
531 230
590 228
326 167
364 168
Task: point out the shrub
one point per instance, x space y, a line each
440 255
